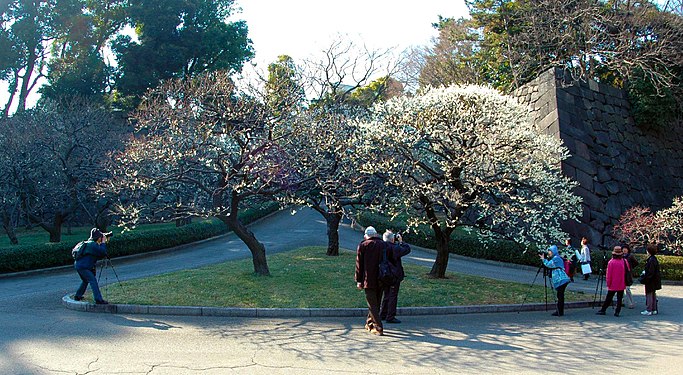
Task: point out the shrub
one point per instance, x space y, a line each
30 257
470 245
462 243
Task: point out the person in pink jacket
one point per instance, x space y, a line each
616 280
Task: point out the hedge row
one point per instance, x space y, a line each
30 257
505 251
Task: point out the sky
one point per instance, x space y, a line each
302 28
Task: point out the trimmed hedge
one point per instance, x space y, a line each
30 257
505 251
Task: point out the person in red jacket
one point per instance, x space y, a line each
616 280
368 257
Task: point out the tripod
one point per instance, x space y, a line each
601 277
105 261
545 286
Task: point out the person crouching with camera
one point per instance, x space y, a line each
95 249
559 278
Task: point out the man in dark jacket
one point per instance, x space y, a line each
398 248
368 257
95 249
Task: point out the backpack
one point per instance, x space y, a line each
387 272
628 276
78 250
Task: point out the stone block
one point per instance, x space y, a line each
132 309
598 225
613 207
582 150
547 122
565 99
603 175
175 310
590 199
581 164
600 190
612 187
568 171
594 86
331 312
282 313
584 179
229 312
603 138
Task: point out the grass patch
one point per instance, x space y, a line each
308 278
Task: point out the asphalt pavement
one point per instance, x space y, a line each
39 336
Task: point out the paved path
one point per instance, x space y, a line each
39 336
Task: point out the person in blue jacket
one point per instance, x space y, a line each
559 278
85 264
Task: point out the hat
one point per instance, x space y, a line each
554 249
95 234
618 251
370 232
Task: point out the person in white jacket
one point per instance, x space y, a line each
585 256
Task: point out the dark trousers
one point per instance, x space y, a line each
610 297
374 298
88 277
389 302
560 299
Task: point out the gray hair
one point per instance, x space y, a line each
388 236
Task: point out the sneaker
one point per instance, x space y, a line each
377 331
368 327
616 314
102 302
77 298
654 312
556 314
600 313
645 312
393 321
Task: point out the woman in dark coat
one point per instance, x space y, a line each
652 279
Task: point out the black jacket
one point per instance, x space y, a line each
652 278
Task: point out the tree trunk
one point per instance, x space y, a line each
56 229
333 220
8 226
442 255
258 251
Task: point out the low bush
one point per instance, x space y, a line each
37 256
470 245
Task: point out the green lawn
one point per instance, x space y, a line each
308 278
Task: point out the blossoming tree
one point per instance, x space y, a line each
639 226
204 148
468 156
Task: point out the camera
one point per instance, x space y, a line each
108 234
542 252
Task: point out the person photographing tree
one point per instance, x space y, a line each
390 293
90 252
559 278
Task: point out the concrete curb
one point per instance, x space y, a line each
72 304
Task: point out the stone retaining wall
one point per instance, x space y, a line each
617 164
